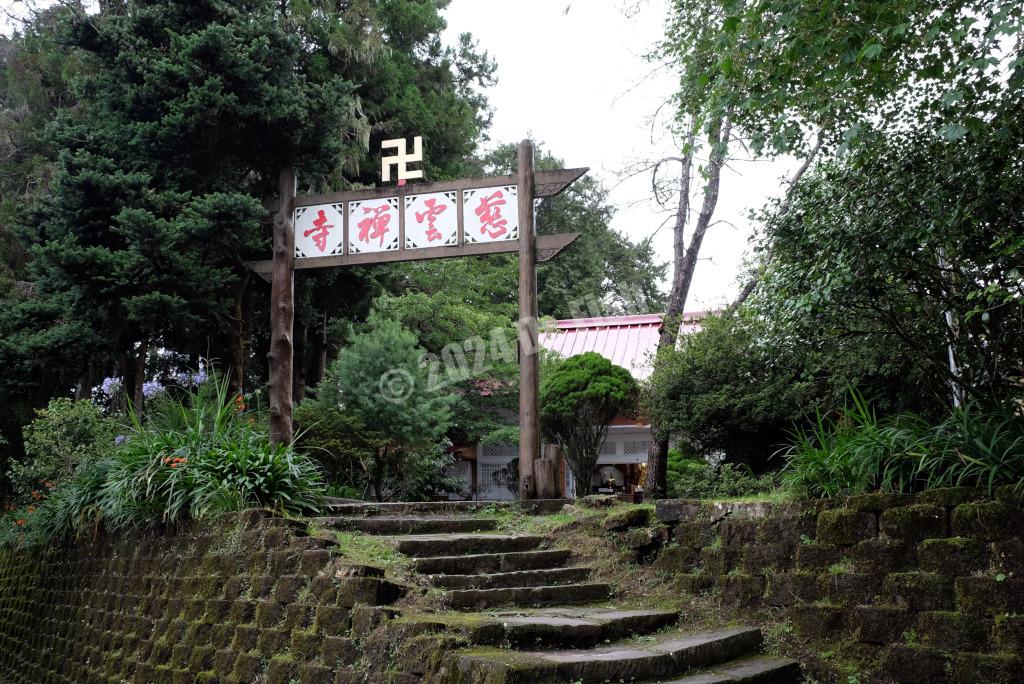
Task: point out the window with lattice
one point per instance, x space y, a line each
637 446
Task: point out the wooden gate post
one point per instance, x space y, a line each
529 387
282 312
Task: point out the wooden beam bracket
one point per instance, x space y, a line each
548 247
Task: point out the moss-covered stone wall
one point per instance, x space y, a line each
929 588
246 598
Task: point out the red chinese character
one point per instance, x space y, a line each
378 222
489 212
431 214
319 231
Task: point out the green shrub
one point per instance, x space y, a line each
739 384
63 435
348 450
343 491
245 470
341 443
692 477
858 452
200 453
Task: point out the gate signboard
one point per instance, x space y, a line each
411 222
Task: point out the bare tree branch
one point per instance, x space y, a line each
748 288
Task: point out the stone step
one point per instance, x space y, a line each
553 627
406 525
562 595
464 544
519 578
756 670
492 562
402 508
670 654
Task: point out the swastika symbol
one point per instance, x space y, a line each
400 159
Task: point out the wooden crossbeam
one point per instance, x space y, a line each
548 246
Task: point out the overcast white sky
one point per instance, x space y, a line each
582 90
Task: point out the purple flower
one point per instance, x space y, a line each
186 379
120 439
151 388
110 386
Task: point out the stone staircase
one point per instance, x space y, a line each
530 615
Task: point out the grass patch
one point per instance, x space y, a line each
369 550
844 565
775 637
512 521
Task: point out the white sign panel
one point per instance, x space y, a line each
431 220
491 214
319 230
373 225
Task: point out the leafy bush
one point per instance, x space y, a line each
739 384
341 443
247 470
422 475
63 435
195 454
692 477
347 450
343 491
204 452
859 452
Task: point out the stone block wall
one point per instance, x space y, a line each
246 598
931 586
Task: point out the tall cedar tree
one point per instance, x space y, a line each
186 116
34 71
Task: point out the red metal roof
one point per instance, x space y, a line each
627 341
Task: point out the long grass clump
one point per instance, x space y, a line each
196 453
856 451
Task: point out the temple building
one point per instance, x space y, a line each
490 470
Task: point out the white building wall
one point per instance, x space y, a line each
624 444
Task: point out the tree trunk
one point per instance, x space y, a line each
685 263
376 474
685 255
133 374
237 341
655 485
582 475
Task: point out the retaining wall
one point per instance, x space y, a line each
243 599
930 587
